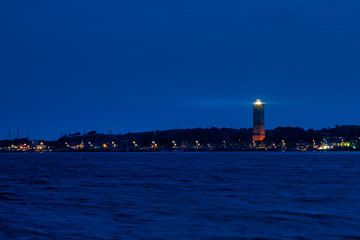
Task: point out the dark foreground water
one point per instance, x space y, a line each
180 196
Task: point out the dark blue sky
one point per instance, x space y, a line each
141 65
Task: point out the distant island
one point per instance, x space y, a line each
339 138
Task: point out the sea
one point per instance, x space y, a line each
244 195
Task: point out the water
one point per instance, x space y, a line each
180 196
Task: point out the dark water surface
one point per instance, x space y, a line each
180 196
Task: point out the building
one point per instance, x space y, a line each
259 121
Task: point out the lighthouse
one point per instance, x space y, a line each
259 121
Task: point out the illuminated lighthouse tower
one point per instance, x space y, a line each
259 121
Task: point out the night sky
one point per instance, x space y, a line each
84 65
